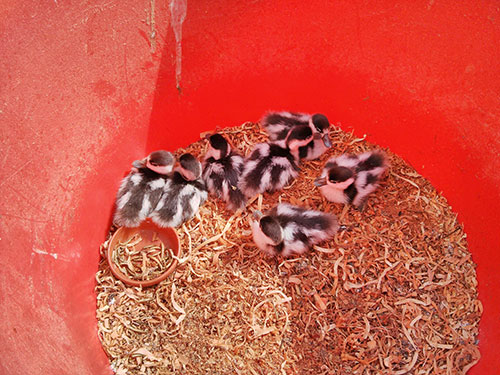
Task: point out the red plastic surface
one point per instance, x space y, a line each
87 87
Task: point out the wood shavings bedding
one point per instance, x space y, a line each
393 293
142 263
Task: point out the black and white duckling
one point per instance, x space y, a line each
271 166
142 188
278 124
289 230
183 194
351 178
222 167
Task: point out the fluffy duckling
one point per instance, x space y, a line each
351 178
271 166
142 188
222 167
288 230
278 124
183 194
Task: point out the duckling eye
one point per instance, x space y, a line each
334 178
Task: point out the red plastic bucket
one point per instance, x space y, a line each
88 88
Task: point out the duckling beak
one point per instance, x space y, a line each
326 140
139 163
320 181
257 214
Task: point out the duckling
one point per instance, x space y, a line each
183 194
222 167
288 230
142 188
278 124
271 166
351 178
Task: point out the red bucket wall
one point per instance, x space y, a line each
88 87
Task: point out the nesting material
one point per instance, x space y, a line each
141 263
393 293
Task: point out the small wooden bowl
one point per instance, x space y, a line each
146 230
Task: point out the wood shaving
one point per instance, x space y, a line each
393 293
142 262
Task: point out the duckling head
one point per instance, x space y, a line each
266 231
271 229
190 167
299 136
338 177
322 126
160 161
219 147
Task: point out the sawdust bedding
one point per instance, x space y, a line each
393 293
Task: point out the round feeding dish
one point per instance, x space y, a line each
142 241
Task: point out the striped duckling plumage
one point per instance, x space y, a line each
279 124
350 178
142 188
273 165
183 194
222 167
291 230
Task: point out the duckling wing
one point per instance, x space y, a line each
350 161
167 212
179 203
251 178
315 226
189 203
222 178
127 187
213 175
278 124
313 150
372 161
295 240
233 165
192 197
155 191
371 167
230 170
267 174
232 195
134 201
283 159
281 174
249 182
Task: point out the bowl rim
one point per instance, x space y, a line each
142 283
